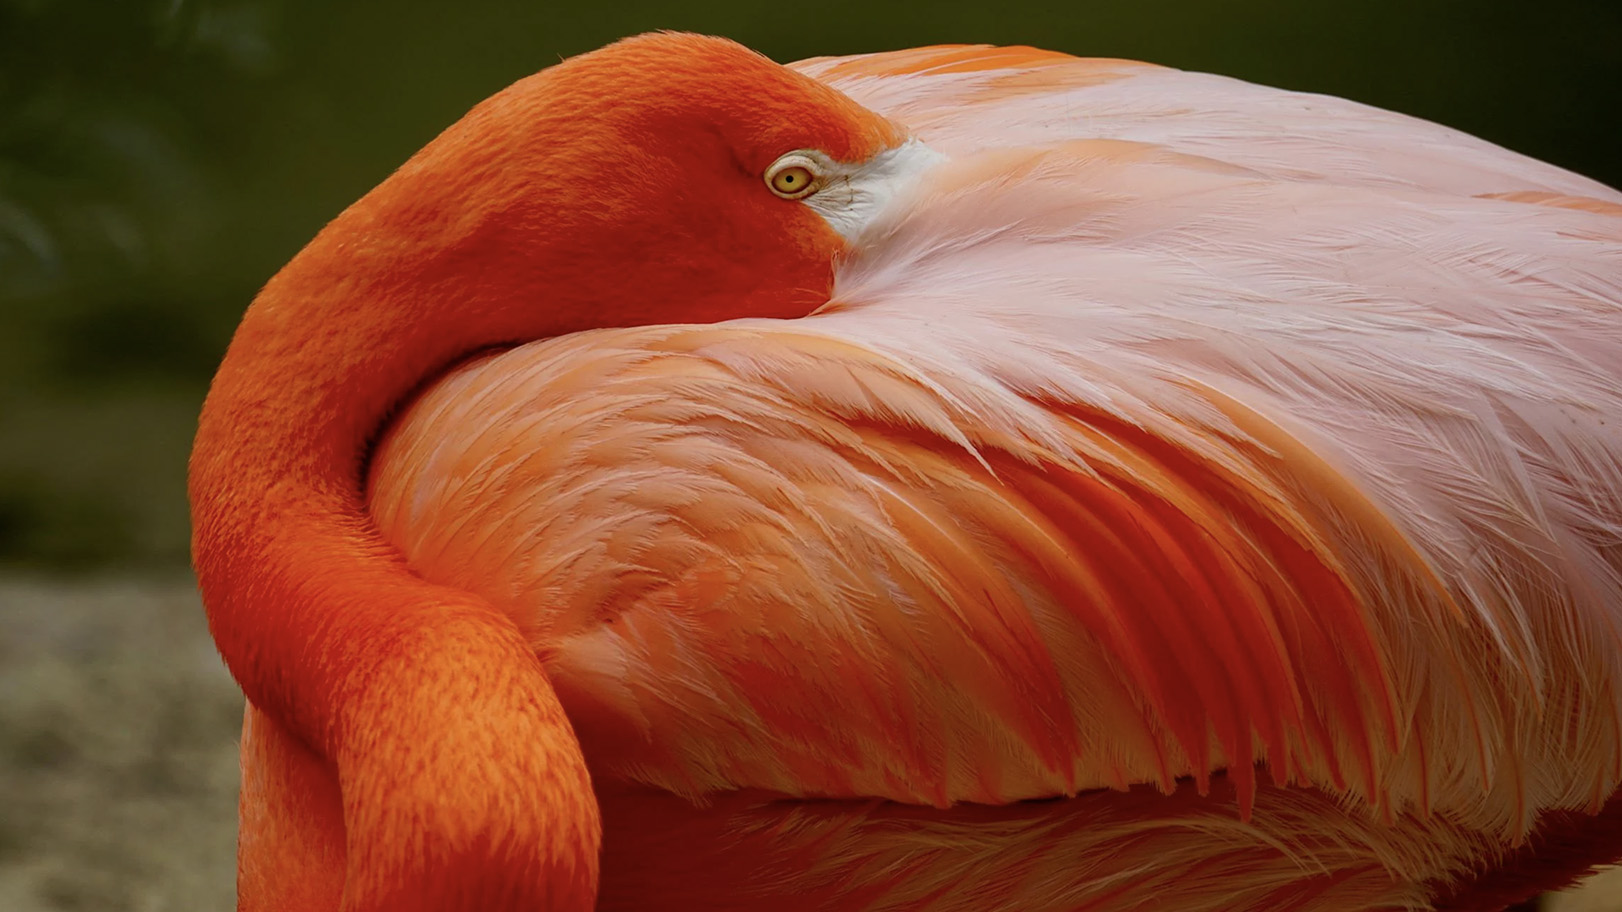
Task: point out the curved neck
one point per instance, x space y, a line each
294 577
300 588
435 715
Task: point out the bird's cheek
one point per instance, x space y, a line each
809 278
785 267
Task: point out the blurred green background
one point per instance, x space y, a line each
160 158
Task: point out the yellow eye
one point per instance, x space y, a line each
790 181
795 175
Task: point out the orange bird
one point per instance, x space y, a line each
961 479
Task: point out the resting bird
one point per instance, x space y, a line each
961 479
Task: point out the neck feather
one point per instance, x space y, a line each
434 714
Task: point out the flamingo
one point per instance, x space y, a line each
954 479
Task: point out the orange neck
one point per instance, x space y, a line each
434 714
297 583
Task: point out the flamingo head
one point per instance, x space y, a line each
665 178
668 178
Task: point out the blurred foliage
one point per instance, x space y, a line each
160 158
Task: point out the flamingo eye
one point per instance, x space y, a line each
795 176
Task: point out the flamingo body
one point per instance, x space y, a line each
1185 494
